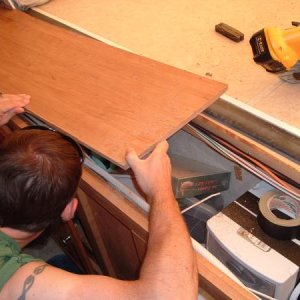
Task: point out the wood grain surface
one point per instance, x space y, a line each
106 98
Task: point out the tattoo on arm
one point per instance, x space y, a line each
30 280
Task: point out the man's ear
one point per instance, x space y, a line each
69 211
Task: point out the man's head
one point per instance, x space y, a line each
39 173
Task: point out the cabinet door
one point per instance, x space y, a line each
68 237
116 242
140 245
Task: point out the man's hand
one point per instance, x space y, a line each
153 174
11 105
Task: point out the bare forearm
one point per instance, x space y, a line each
170 259
169 269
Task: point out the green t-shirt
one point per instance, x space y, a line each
10 258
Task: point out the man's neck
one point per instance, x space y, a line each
23 238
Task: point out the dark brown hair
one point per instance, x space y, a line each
39 174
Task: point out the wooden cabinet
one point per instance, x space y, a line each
120 243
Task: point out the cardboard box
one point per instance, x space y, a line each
191 178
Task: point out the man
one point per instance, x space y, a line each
39 173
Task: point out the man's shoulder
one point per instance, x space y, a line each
32 278
38 280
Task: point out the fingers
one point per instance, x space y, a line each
9 102
161 147
8 115
11 105
153 173
132 158
16 110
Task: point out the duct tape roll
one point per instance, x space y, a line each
279 228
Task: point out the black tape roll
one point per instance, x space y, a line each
274 226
